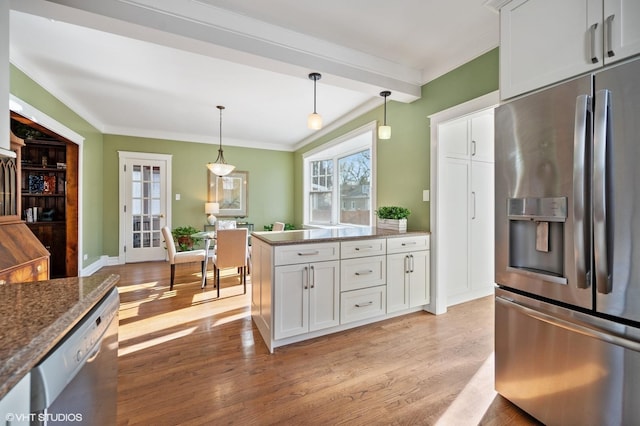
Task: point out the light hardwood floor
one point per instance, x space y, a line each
187 358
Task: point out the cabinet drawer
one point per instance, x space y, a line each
404 244
362 248
362 304
305 253
362 273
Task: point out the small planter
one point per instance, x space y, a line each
399 225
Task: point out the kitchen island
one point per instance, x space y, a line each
35 316
312 282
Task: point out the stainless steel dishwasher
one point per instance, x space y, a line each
76 383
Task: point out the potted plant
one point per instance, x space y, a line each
183 239
392 217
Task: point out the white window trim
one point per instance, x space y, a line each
316 154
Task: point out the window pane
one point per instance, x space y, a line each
320 203
355 187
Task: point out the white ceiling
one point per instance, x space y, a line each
158 68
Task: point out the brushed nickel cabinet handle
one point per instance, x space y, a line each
592 33
365 272
609 25
362 305
305 275
308 253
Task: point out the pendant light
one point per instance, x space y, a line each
384 131
220 167
315 120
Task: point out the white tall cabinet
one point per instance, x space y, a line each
546 41
466 206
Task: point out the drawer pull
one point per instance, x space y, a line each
308 253
410 243
362 305
364 248
365 272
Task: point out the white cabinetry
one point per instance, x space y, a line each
308 291
466 207
14 406
363 276
546 41
407 273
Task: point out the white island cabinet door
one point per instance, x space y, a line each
291 301
419 288
324 295
397 282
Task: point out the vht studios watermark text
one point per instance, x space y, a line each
44 417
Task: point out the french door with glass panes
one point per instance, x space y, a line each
144 209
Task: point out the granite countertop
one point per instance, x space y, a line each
329 235
35 316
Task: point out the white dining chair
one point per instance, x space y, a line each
176 257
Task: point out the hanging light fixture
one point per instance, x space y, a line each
384 131
220 167
315 120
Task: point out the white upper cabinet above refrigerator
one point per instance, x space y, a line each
546 41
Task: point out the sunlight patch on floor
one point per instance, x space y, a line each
153 342
472 402
136 287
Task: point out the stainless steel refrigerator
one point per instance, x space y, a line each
567 314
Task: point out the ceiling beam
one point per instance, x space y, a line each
208 30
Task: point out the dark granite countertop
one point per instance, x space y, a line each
303 236
35 316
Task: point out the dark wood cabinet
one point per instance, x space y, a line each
48 208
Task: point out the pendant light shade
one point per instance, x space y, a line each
384 131
220 167
315 120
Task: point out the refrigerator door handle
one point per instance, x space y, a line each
600 207
592 331
583 112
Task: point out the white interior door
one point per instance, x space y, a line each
145 196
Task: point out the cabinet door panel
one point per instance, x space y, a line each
625 29
419 279
545 41
292 315
482 137
453 138
482 226
324 295
453 218
397 282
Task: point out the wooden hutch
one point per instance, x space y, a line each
23 258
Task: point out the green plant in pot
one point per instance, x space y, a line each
183 239
392 217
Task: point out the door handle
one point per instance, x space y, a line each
600 189
583 112
592 33
312 273
473 194
473 148
305 278
608 23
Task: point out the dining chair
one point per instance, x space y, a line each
278 226
231 252
176 257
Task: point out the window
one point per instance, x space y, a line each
339 183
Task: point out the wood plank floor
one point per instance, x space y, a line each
188 358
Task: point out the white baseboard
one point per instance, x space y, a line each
95 266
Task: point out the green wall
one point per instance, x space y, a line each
91 161
403 165
270 182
